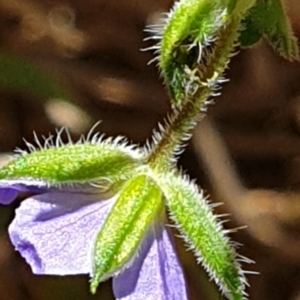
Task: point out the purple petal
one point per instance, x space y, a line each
9 189
55 232
156 273
8 195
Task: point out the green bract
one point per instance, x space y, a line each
191 26
190 30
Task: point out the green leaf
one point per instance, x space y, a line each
19 74
204 234
138 204
267 18
73 163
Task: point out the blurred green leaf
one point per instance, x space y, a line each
267 18
20 74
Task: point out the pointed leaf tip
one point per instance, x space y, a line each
268 18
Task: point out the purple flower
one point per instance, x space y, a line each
55 231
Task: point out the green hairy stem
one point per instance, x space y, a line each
183 120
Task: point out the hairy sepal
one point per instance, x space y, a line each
138 204
204 234
268 18
98 161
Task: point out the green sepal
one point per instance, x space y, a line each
138 204
204 234
76 163
267 18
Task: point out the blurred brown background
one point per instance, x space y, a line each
246 154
